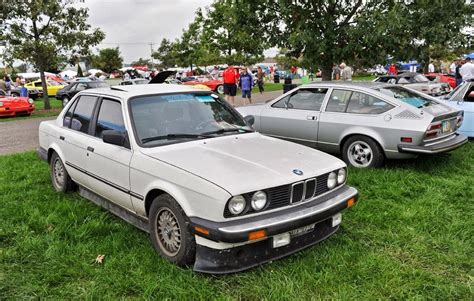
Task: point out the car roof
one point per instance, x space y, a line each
342 84
125 92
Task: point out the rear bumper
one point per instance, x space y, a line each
434 148
244 257
274 223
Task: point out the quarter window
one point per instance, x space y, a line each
304 99
68 115
356 103
110 117
83 113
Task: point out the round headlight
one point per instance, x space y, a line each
259 200
341 175
237 204
1 104
31 101
332 180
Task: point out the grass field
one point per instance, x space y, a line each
410 236
56 106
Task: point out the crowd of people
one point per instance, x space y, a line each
342 72
7 85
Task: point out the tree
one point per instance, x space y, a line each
79 71
46 32
108 59
235 30
167 53
143 62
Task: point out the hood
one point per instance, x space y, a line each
161 77
246 162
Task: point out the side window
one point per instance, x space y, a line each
404 80
81 86
338 101
83 113
304 99
38 84
281 103
68 115
110 117
361 103
470 95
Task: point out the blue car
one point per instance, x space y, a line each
463 97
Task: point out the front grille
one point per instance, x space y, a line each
284 195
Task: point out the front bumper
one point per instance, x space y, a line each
241 253
450 144
13 111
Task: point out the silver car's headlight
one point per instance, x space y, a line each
341 176
237 204
259 200
332 180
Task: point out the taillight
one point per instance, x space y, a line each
459 119
433 130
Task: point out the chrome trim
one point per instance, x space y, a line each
290 217
291 193
440 140
315 188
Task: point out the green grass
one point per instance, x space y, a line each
56 107
365 77
268 87
409 237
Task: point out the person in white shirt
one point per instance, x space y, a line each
467 70
431 68
452 67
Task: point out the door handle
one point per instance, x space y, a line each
311 117
91 149
61 137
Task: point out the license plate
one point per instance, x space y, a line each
302 230
447 126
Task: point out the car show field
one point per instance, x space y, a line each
409 237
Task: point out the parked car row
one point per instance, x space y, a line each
15 105
210 184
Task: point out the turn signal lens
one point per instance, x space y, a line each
257 234
351 202
201 230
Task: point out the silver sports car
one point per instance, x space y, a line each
366 122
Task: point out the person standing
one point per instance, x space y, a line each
246 84
336 72
467 70
260 76
346 72
452 67
8 85
392 70
230 80
457 74
431 68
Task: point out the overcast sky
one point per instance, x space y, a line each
134 24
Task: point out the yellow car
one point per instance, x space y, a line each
53 86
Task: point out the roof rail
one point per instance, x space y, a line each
117 88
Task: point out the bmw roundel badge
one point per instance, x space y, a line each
298 172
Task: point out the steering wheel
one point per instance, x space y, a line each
205 122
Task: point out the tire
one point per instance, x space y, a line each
362 152
65 100
179 250
220 89
59 176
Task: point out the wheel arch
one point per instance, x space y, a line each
54 149
347 136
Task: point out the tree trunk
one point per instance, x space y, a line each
47 106
326 72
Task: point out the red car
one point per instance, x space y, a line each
442 78
209 81
12 106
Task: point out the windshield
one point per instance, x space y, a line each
165 119
53 83
458 88
407 96
420 78
141 82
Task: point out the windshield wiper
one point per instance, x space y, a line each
227 130
174 136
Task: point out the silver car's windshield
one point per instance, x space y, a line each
172 118
407 96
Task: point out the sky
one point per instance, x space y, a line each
134 24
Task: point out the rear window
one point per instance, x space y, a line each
407 96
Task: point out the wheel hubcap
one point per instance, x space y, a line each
360 154
168 232
58 172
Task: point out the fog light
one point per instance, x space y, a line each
336 219
281 240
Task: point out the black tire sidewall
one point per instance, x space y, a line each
187 252
378 157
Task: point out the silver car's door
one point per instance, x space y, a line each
110 164
75 136
347 109
295 117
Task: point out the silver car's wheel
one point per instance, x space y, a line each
65 101
169 232
360 154
362 151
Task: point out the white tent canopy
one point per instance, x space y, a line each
69 73
29 75
94 71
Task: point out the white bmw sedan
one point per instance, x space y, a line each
183 165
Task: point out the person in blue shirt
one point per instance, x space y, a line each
246 85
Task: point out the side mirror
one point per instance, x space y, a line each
116 138
249 119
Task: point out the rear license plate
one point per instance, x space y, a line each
447 126
302 230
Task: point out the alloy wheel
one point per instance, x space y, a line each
168 232
360 154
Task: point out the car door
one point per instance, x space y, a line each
109 165
345 110
74 137
295 117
